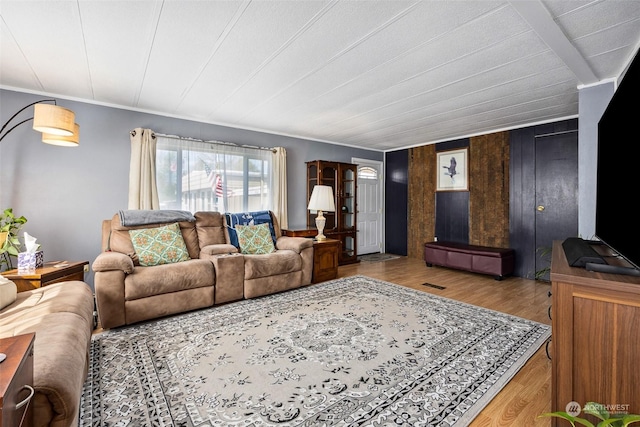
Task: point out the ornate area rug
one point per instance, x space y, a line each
350 352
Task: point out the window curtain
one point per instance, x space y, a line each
143 191
280 208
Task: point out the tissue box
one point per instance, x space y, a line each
30 261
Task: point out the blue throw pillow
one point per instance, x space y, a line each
248 218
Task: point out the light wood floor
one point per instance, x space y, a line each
528 394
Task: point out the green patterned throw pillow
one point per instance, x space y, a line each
159 245
255 239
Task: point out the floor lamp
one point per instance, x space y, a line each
57 124
321 200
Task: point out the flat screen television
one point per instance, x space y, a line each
618 174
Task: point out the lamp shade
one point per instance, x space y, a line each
65 141
52 119
322 199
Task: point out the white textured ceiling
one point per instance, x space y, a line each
373 74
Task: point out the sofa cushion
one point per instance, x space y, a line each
166 278
159 245
248 218
279 262
31 307
212 250
255 239
60 366
296 244
119 240
8 292
110 261
210 228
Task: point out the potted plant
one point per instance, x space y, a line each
599 411
10 225
544 254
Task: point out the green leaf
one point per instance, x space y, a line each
613 422
628 419
584 422
597 410
573 420
12 225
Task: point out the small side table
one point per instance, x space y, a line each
16 381
48 275
325 260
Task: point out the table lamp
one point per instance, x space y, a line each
321 200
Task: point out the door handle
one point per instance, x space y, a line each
540 208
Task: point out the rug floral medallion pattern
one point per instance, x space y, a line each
351 352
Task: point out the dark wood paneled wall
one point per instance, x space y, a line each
452 207
501 197
479 216
489 190
396 201
522 215
452 216
422 186
523 196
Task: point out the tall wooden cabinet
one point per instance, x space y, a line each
341 225
596 338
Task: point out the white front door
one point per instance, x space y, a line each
370 224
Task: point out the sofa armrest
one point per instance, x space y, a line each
217 249
109 261
296 244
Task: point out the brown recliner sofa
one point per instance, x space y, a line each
127 292
61 316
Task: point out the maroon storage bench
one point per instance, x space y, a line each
498 262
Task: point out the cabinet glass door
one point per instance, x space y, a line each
329 177
312 180
348 248
348 198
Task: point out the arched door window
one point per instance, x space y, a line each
367 172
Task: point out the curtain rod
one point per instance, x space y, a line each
231 144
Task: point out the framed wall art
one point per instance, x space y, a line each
453 171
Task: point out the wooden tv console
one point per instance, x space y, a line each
595 348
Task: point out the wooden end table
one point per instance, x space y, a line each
16 381
325 260
50 273
304 232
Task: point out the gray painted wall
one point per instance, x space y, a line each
65 193
593 100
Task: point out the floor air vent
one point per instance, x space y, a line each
431 285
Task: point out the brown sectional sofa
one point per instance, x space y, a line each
128 293
61 315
